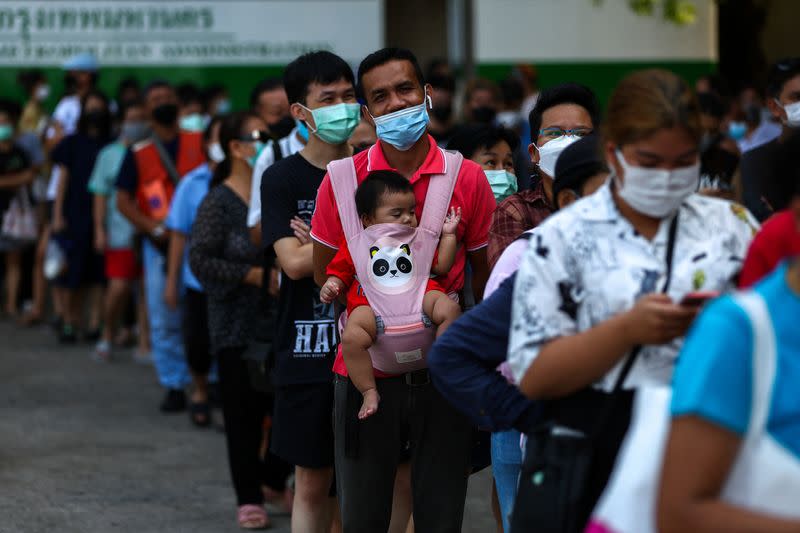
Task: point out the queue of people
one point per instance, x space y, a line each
383 299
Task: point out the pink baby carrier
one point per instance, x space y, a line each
393 264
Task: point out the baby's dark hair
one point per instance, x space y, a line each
378 183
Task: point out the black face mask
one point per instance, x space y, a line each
166 114
484 114
442 113
282 128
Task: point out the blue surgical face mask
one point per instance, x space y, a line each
737 130
503 183
402 129
302 129
6 132
259 146
194 122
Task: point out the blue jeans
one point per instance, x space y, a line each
165 324
506 465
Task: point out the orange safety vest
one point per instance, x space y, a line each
155 189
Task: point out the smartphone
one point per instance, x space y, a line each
697 299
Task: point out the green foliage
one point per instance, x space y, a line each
679 12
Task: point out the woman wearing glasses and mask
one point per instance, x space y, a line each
609 287
229 266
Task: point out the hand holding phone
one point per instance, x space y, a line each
698 298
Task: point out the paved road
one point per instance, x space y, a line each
83 449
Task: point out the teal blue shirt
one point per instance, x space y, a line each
104 175
713 378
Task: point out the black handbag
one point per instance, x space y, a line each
570 455
259 354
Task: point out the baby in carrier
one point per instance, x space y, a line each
386 197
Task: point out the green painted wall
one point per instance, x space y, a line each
602 77
238 79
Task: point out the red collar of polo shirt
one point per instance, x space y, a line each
434 162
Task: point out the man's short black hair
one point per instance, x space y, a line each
781 72
383 56
156 84
189 93
378 183
469 139
564 93
266 85
321 67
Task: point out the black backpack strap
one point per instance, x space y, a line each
277 154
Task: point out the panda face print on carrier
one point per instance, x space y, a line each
391 266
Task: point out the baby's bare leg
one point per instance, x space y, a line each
358 336
441 309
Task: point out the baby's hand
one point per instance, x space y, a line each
451 221
331 290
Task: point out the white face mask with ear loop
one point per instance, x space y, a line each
656 192
792 113
549 152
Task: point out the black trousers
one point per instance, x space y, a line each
195 332
244 409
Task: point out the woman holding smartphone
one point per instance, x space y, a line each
604 279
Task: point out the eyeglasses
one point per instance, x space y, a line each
553 133
255 136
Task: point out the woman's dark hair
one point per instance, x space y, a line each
123 108
211 123
230 129
469 139
785 181
378 183
105 125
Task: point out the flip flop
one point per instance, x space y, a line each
252 517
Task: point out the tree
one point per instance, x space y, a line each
680 12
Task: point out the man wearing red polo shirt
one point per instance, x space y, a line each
367 452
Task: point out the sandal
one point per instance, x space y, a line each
252 517
200 414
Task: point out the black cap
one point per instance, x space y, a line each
578 162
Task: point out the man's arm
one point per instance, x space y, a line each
480 272
99 211
296 259
126 204
16 179
323 255
177 244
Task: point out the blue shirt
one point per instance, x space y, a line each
463 365
188 196
713 379
104 175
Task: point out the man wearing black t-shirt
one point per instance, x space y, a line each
306 335
764 191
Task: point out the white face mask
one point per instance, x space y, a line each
656 192
792 113
549 152
42 92
215 153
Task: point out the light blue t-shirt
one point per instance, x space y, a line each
104 175
713 378
188 196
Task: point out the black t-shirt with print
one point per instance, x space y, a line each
306 334
11 162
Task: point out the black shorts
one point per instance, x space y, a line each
302 425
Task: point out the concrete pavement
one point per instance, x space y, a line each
83 449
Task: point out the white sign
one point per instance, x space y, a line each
578 30
200 32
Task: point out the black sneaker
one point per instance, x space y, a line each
174 401
67 335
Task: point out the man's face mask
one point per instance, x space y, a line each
403 128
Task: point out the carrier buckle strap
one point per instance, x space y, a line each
418 378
